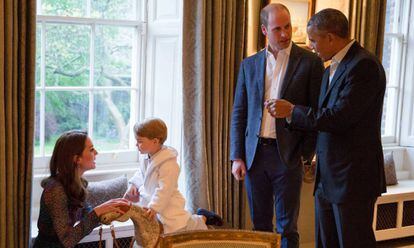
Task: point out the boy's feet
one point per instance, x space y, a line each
211 217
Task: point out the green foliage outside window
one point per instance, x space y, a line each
67 63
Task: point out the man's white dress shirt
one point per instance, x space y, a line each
275 73
337 59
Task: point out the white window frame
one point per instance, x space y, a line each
160 28
407 115
395 80
125 160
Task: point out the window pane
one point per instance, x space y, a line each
111 120
386 54
391 20
75 8
37 124
67 55
113 51
38 52
384 113
65 110
114 9
389 114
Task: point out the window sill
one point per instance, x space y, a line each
104 161
392 147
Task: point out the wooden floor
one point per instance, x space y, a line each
396 243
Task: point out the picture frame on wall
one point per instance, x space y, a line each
300 12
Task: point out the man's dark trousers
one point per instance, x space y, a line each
271 186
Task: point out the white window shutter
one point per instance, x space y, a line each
163 86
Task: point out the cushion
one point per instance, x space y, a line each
102 191
389 169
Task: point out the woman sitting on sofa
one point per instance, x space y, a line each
64 218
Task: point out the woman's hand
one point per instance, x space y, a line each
132 194
118 205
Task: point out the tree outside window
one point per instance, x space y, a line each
87 71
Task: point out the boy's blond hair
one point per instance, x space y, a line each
152 128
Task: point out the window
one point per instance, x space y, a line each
407 109
395 45
88 71
101 66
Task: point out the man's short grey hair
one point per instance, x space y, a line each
264 13
330 21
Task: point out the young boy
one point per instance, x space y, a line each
155 185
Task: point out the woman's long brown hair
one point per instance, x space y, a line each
63 167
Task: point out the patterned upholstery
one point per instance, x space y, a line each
102 191
220 238
147 234
221 244
389 169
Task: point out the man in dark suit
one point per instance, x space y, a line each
350 167
262 148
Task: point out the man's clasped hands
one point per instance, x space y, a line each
279 108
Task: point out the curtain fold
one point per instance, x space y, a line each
367 24
213 47
17 89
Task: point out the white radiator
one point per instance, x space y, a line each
394 212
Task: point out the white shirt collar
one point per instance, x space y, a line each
285 51
339 56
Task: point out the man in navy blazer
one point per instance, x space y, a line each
350 167
262 149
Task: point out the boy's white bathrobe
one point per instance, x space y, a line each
157 181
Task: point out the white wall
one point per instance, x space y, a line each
342 5
409 161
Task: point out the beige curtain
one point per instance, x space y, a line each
257 40
367 22
17 71
213 47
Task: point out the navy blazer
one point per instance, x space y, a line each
349 151
300 85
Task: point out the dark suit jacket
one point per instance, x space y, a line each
301 85
349 151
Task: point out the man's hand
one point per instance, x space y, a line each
279 108
238 169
